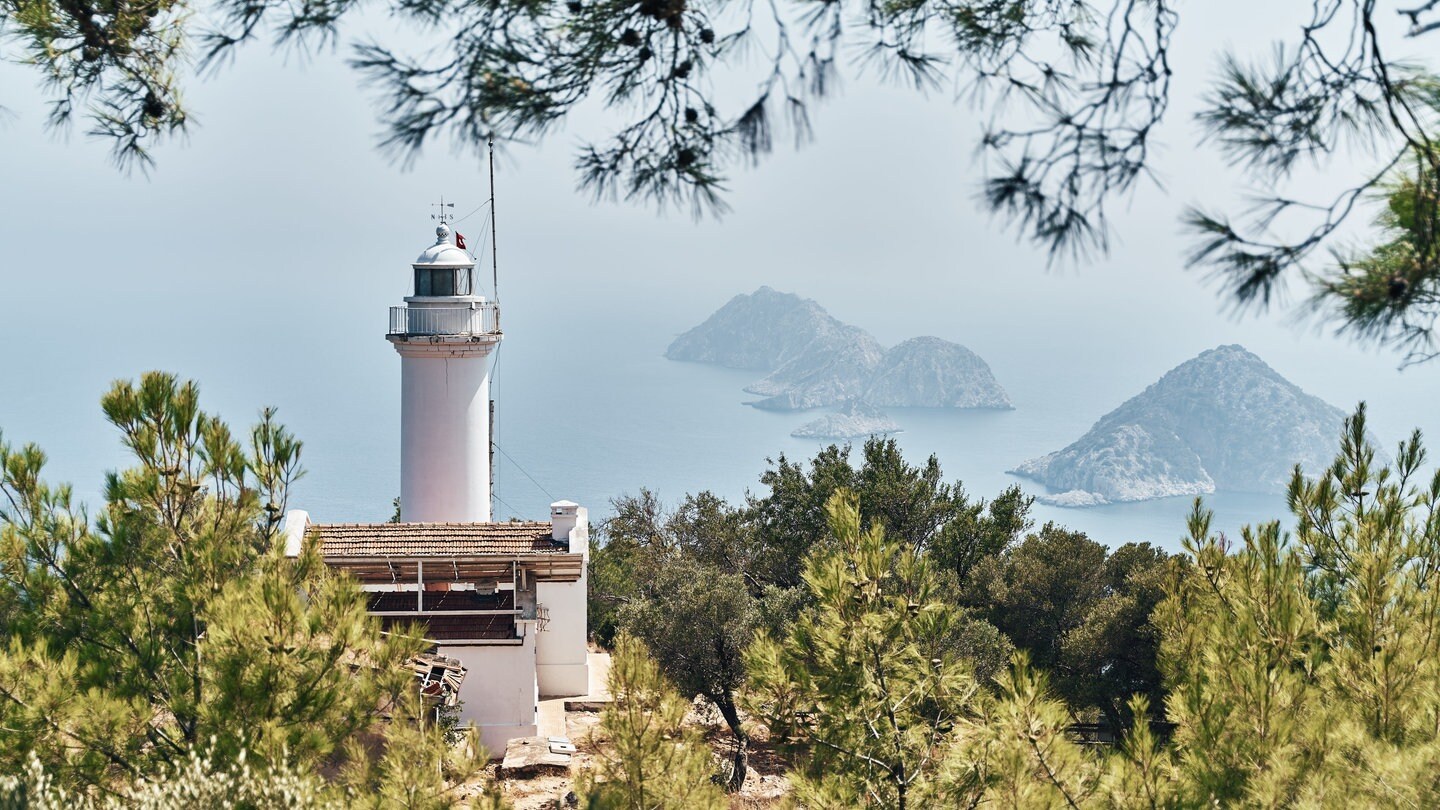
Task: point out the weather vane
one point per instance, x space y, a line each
443 215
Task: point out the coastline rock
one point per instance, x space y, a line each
854 421
927 372
1128 463
1223 420
1074 498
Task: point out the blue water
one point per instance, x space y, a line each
588 409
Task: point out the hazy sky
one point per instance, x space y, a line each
260 255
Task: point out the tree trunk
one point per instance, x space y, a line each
1115 719
741 761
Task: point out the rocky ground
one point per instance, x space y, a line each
765 783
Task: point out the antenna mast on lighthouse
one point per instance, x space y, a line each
495 290
494 252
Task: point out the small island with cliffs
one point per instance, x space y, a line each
813 360
1221 421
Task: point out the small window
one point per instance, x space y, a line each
432 281
462 281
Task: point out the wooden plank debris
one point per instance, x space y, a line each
439 678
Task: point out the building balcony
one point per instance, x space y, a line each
473 319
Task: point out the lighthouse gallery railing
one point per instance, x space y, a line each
479 319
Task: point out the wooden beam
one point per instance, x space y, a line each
444 612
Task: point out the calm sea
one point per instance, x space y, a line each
588 409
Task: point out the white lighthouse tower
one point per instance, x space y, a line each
503 603
445 335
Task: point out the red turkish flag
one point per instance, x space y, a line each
460 240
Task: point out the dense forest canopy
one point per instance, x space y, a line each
700 583
1292 670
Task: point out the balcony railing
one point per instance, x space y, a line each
479 319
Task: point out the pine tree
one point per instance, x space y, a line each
175 624
1014 752
863 689
1306 670
650 762
1082 89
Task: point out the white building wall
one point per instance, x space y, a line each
499 694
444 434
561 661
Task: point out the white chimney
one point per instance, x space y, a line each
297 522
570 521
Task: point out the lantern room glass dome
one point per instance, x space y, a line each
444 270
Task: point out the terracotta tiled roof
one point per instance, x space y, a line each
350 540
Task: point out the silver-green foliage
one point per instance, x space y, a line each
199 782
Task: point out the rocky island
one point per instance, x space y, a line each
927 372
854 421
1223 420
833 368
814 360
